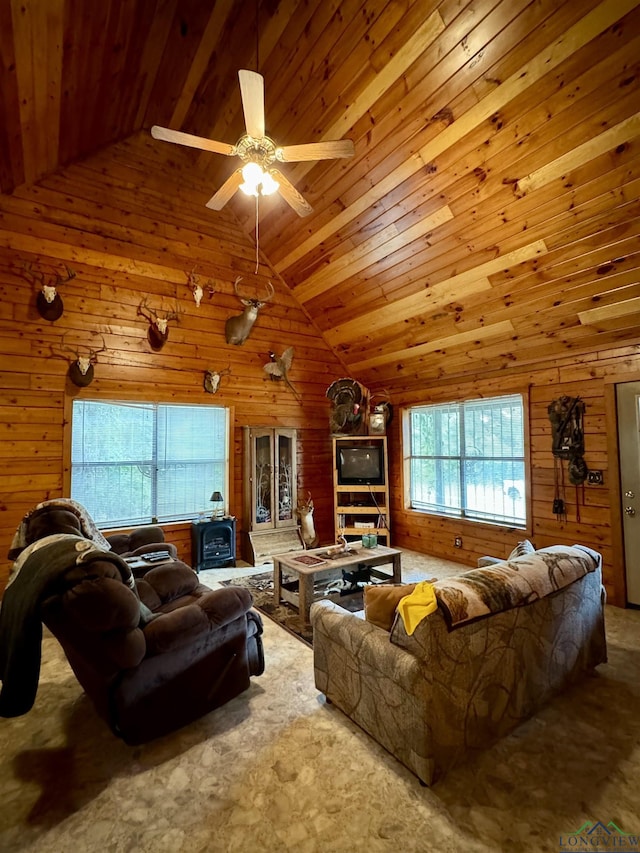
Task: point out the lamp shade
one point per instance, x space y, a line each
216 497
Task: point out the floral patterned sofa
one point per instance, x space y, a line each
503 640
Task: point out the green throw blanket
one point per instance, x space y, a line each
38 569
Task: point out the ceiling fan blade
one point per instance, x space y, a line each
291 195
252 91
226 191
168 135
316 151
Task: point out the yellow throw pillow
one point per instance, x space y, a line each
381 600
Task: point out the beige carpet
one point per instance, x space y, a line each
278 770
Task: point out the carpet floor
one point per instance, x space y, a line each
276 769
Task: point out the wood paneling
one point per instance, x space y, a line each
484 235
117 265
591 509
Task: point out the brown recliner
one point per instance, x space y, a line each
145 680
153 655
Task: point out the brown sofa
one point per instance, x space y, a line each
447 690
152 654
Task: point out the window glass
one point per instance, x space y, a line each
132 463
467 459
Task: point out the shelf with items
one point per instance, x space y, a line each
361 487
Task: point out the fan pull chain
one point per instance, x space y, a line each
257 247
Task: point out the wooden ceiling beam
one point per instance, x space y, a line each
499 330
473 280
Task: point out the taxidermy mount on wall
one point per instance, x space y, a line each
279 366
81 371
48 301
237 328
212 379
193 282
158 331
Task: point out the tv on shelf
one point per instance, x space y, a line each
360 465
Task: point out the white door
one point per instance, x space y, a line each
628 405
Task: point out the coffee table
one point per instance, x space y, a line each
303 564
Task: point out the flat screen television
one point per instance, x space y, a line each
360 465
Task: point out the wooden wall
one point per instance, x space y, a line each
593 516
130 228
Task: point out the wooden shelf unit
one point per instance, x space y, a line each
364 503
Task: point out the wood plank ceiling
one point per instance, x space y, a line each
490 217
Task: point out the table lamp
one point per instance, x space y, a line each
218 501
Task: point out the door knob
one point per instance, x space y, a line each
630 510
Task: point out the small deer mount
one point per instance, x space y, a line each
304 512
237 328
212 379
81 371
158 331
193 281
48 301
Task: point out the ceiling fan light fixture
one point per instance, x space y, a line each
258 152
252 174
269 184
256 181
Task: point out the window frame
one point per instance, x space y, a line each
138 399
462 519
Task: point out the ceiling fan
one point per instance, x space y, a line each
258 152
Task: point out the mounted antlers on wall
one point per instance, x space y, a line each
158 332
212 379
237 328
48 301
193 281
80 371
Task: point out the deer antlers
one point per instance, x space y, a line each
48 301
246 300
158 331
81 370
212 379
193 281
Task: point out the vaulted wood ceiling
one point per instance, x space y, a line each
490 217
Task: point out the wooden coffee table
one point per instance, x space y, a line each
303 565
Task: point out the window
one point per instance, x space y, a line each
133 463
467 459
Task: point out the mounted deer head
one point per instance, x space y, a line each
212 379
48 301
80 371
158 331
304 511
237 328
